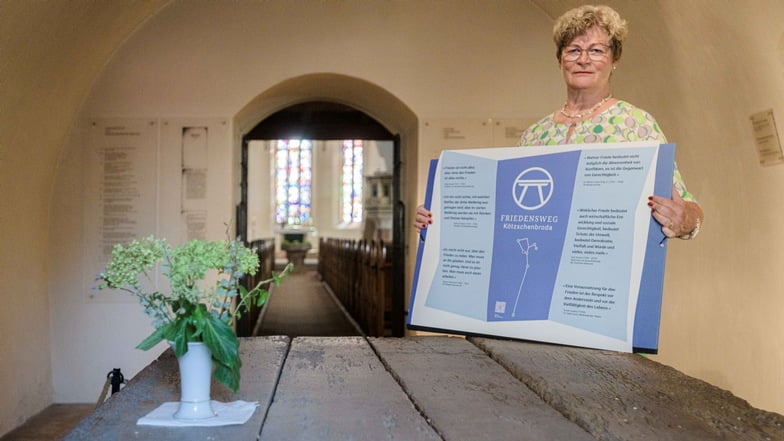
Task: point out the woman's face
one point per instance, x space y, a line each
586 73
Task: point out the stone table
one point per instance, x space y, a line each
443 388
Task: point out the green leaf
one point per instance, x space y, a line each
154 338
263 297
221 340
228 376
180 338
223 344
169 332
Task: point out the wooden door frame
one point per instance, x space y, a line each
355 125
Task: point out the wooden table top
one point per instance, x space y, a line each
442 388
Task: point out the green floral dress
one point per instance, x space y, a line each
621 122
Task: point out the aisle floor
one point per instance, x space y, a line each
303 306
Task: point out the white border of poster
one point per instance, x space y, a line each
553 244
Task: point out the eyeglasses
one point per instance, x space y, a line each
595 53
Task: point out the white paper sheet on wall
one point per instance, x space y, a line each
195 151
195 224
191 177
766 137
194 147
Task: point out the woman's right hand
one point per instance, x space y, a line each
423 218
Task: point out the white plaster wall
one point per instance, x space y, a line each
703 68
260 185
50 56
724 298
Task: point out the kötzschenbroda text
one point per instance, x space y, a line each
527 222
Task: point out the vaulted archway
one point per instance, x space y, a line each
333 106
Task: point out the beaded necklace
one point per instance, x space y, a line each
585 113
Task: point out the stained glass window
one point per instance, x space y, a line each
351 182
293 181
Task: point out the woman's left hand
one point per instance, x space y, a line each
677 217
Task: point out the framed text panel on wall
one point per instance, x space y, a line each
119 183
195 192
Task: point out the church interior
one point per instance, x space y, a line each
435 75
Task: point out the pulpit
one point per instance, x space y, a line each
378 207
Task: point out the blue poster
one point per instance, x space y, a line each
551 244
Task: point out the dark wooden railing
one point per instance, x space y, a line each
265 248
359 273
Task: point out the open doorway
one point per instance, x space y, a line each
300 170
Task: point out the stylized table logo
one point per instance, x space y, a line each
533 177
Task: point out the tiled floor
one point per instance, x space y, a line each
51 424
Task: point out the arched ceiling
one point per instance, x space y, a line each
51 58
319 120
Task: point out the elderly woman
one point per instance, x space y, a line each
589 42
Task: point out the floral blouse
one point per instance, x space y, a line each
621 122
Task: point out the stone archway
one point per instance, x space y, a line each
377 103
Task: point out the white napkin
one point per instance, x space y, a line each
235 412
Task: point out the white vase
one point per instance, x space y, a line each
195 382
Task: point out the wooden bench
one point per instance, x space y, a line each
432 388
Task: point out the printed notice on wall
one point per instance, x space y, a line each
194 167
766 137
120 188
553 244
195 224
